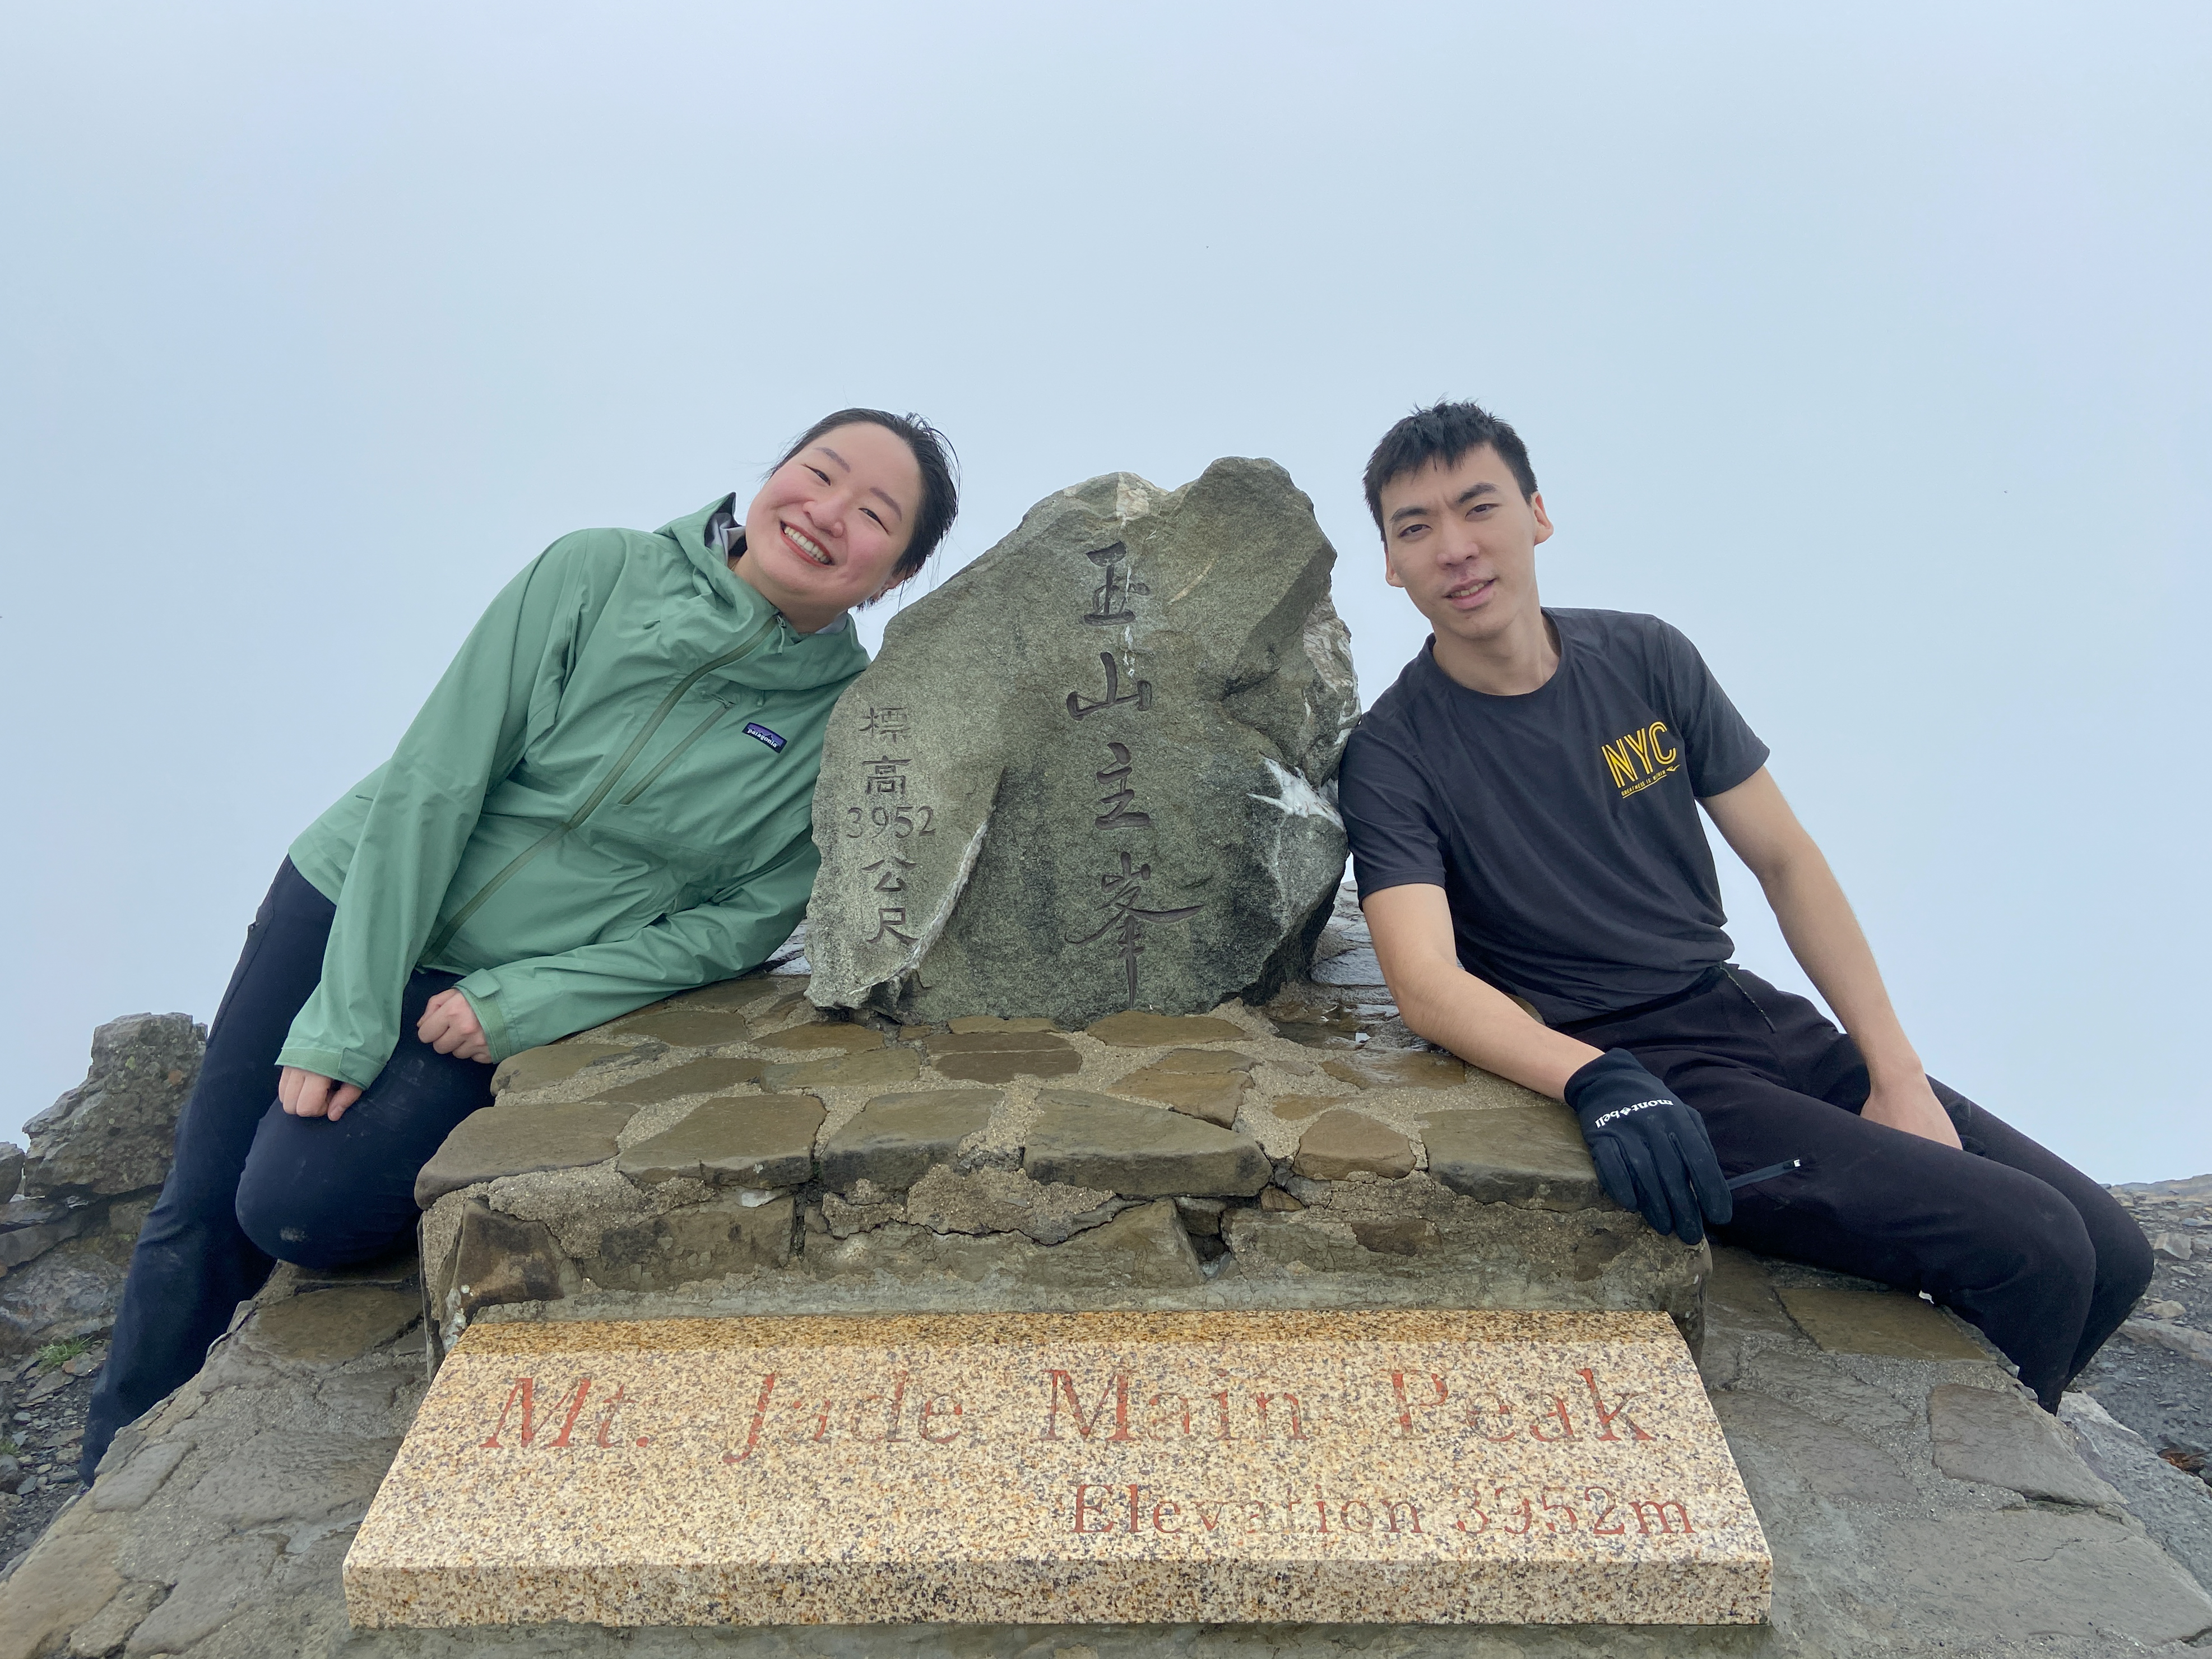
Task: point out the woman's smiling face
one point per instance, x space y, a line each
827 529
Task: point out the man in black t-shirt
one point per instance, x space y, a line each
1523 809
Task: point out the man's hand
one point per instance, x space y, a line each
1652 1152
1912 1106
310 1094
450 1025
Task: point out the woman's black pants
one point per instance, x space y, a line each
2019 1242
251 1185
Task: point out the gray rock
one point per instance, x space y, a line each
726 1235
1134 1028
714 1075
218 1582
116 1131
872 1068
510 1141
2174 1508
329 1327
1139 1152
496 1259
1143 1248
1000 1056
892 1139
66 1293
2005 1439
1086 774
1398 1068
129 1486
1341 1144
1210 1092
557 1062
11 1170
1531 1155
687 1025
2181 1339
1828 1459
30 1228
1891 1324
285 1473
755 1140
983 1202
67 1579
106 1630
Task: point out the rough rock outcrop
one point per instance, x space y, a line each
114 1131
1093 771
98 1156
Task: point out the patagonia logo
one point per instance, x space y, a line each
773 740
1637 760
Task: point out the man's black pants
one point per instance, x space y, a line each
2015 1240
253 1185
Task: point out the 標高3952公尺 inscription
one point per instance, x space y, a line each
1428 1467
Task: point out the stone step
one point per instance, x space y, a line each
1408 1467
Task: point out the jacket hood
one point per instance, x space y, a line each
788 661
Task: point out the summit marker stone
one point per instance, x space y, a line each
1092 772
1372 1467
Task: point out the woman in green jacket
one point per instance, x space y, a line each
607 798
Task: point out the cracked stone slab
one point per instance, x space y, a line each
512 1140
557 1062
217 1582
716 1075
328 1326
1341 1144
1886 1322
1530 1154
1136 1030
1001 1053
982 1201
1398 1068
893 1138
1212 1096
753 1140
687 1026
846 1036
1139 1152
1828 1458
870 1068
2005 1439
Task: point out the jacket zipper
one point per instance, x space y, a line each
444 935
670 758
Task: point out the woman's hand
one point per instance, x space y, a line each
310 1094
449 1025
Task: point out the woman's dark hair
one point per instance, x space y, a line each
1440 435
940 480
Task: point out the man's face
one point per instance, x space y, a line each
1461 542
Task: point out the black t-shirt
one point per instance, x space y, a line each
1562 824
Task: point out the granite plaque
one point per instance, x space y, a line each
1410 1467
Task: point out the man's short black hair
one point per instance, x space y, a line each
1443 434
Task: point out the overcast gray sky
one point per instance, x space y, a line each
1868 344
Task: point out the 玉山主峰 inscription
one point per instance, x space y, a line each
1165 1468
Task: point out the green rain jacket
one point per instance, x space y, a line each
607 798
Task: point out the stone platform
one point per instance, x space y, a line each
1401 1468
734 1150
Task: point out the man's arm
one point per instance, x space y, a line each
1824 936
1440 1001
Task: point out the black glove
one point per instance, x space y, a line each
1650 1150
